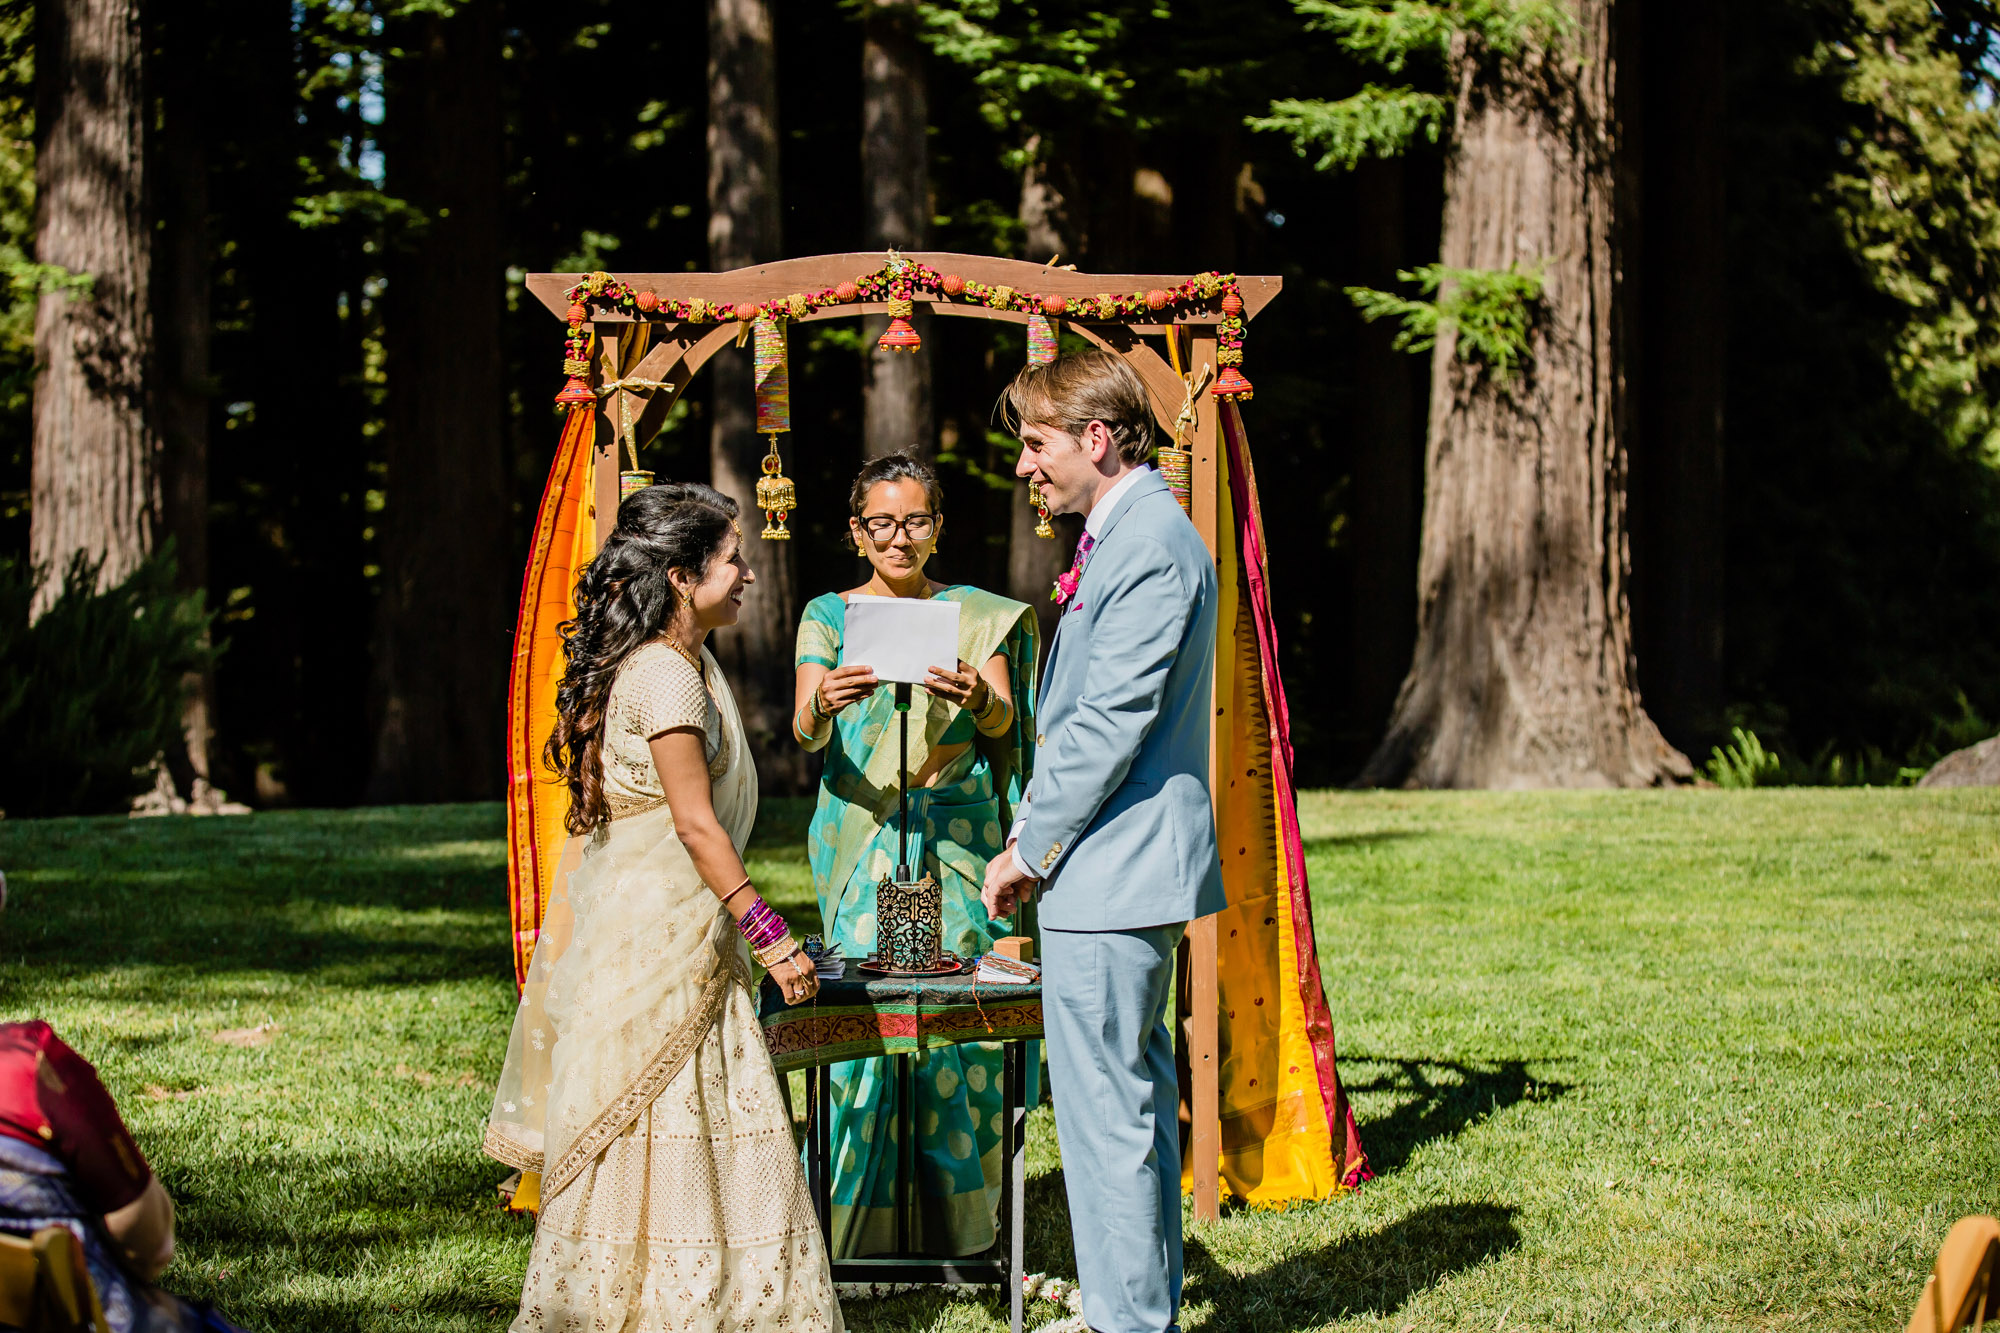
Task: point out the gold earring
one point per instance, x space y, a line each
1041 508
687 599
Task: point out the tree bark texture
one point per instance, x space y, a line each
897 413
95 477
743 229
441 645
1523 673
182 296
1677 454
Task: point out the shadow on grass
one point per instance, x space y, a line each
1374 837
1375 1273
1432 1105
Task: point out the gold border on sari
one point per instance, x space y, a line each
660 1070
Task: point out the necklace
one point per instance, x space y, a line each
692 660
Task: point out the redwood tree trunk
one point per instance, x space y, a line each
95 477
441 642
896 185
743 229
1523 674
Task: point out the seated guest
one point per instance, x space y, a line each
66 1159
970 749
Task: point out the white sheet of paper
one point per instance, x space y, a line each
901 637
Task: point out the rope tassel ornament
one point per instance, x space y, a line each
776 495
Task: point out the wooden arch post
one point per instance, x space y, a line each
653 360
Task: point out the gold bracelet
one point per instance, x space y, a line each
775 953
821 709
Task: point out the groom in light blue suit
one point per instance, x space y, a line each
1117 834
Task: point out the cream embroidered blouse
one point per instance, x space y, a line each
656 691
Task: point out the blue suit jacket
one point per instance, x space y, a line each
1119 821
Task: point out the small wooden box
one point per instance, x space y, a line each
1018 947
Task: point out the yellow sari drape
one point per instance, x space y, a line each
1287 1131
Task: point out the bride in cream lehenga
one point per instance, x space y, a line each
637 1083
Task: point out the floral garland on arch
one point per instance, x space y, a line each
896 283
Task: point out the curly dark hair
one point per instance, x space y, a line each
892 467
624 599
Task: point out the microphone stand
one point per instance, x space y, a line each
903 875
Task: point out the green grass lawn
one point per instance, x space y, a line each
1682 1060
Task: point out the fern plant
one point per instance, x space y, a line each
91 692
1491 312
1744 762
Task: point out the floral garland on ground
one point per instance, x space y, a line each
895 284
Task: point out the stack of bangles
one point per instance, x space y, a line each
816 710
766 933
985 710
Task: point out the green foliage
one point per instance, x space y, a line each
1919 196
1383 121
1375 122
1492 313
1406 29
1743 764
1864 270
90 693
1035 64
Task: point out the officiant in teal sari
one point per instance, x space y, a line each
971 745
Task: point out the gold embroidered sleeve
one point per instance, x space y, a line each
661 691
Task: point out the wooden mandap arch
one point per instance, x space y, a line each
1269 1117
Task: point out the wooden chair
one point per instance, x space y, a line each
44 1286
1963 1291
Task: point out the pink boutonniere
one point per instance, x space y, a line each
1066 582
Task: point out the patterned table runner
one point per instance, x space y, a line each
864 1015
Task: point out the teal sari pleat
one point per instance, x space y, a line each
955 827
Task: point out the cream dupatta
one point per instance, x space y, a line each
635 958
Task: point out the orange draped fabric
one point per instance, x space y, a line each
565 540
1287 1131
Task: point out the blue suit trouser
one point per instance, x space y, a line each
1111 1071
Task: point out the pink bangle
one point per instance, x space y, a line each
760 925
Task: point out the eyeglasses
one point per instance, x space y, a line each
882 528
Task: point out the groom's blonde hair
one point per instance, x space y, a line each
1072 391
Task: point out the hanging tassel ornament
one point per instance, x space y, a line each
899 337
776 495
1041 508
1230 383
1041 340
576 363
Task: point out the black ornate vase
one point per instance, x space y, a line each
909 924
